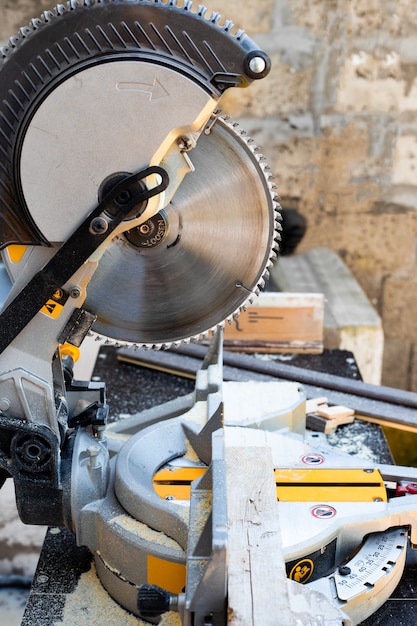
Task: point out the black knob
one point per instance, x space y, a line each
153 601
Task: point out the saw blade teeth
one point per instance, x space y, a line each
47 16
254 290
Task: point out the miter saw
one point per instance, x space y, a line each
132 209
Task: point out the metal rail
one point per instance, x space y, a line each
386 405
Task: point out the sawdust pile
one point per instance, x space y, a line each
91 605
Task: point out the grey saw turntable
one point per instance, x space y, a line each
131 209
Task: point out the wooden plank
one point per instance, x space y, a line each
279 322
259 593
257 584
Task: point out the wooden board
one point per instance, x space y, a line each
279 322
259 593
257 589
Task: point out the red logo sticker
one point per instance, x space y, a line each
323 511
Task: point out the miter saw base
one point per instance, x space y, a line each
161 520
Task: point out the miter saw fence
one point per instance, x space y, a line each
131 208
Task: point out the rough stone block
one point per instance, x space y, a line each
396 363
18 13
350 321
285 90
405 161
250 15
399 308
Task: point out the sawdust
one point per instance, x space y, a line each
91 605
145 532
352 439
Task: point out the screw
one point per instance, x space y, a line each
75 292
185 144
344 570
257 65
4 404
93 452
98 226
42 579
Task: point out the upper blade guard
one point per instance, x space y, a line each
70 38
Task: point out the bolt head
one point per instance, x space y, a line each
98 226
257 65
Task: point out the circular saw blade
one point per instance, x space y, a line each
195 265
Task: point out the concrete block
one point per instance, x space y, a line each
399 308
350 321
405 160
374 244
396 364
369 83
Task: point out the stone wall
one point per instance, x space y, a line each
337 119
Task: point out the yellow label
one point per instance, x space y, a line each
16 253
302 571
52 309
329 485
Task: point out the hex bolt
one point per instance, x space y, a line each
93 453
123 197
98 226
257 65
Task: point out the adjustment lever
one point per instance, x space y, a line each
94 230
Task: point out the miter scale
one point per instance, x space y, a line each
132 209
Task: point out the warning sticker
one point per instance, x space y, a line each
53 307
313 566
323 511
312 459
302 571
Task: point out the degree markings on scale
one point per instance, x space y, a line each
368 567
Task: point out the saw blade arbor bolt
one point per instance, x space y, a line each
124 197
98 226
